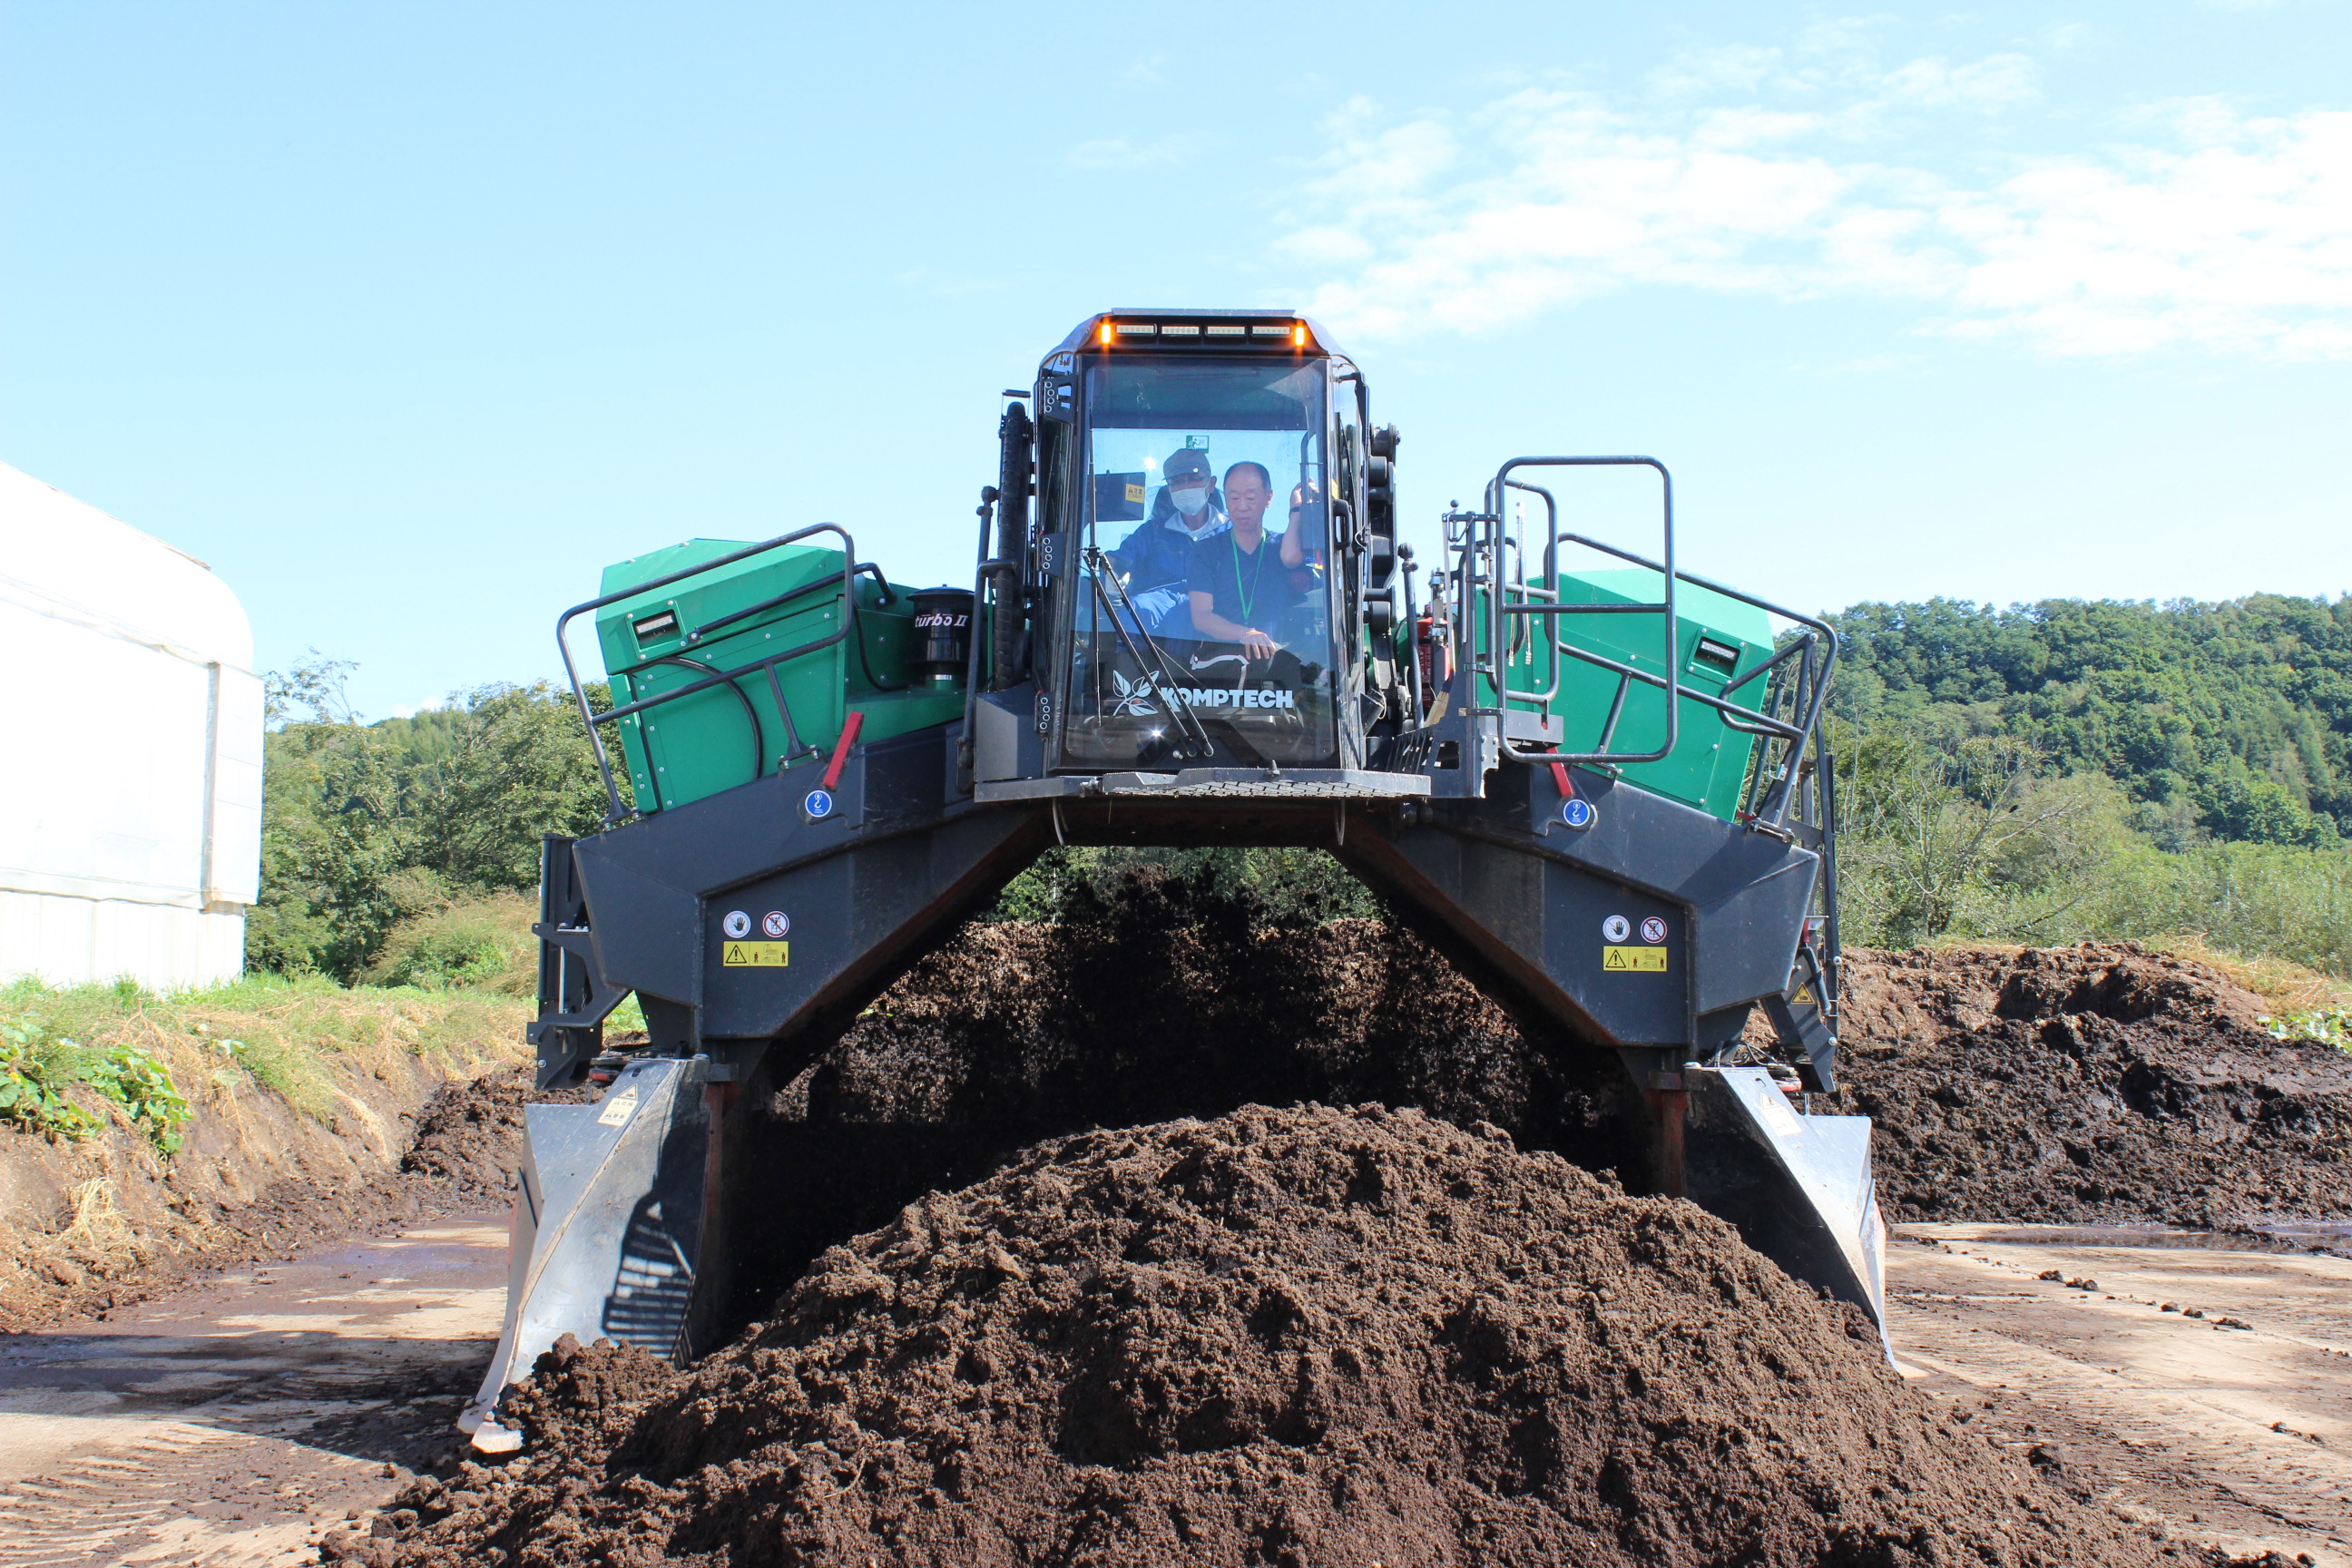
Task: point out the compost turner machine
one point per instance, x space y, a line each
1593 779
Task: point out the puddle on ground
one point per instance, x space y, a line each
2272 1237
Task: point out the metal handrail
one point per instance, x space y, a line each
1550 577
1495 548
1812 682
1155 667
592 720
1488 571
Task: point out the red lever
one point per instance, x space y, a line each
849 728
1560 777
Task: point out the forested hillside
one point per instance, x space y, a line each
2225 721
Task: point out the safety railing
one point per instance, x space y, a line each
1498 600
1495 603
795 748
1500 606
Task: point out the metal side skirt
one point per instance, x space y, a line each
1799 1188
607 1222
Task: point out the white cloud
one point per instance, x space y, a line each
1987 84
1118 153
2213 230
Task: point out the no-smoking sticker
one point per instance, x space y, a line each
1653 929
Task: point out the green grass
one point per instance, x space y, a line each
479 943
288 1035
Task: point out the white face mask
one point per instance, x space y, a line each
1191 499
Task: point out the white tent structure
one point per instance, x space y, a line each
130 796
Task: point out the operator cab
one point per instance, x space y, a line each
1190 472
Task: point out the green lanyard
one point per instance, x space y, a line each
1239 591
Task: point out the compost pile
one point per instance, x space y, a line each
2092 1084
2095 1084
470 1136
1281 1336
1157 1004
2089 1084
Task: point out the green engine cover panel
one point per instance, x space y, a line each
731 734
1718 639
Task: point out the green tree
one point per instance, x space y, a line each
517 766
365 825
2228 720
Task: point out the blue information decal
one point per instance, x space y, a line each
819 804
1577 812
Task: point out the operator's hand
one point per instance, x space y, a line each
1257 645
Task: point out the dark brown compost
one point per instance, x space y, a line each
1296 1336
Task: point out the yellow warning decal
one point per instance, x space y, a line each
1627 960
1135 495
757 954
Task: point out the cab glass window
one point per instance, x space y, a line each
1201 605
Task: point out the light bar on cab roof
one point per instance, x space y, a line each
1110 334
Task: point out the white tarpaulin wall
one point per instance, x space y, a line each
130 796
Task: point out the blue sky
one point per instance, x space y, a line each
410 318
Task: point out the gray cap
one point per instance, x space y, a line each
1182 464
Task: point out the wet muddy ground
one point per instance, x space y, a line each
235 1421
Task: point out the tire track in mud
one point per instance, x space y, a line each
233 1425
2238 1434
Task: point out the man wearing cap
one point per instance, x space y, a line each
1156 560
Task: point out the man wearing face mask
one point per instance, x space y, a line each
1156 560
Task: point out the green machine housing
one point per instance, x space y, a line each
801 596
1718 640
852 634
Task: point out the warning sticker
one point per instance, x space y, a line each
619 1109
758 954
1626 959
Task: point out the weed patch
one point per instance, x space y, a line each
2328 1026
159 1058
32 1085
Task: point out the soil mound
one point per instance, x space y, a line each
2139 1085
470 1136
1283 1336
1157 1007
2090 1084
462 1144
